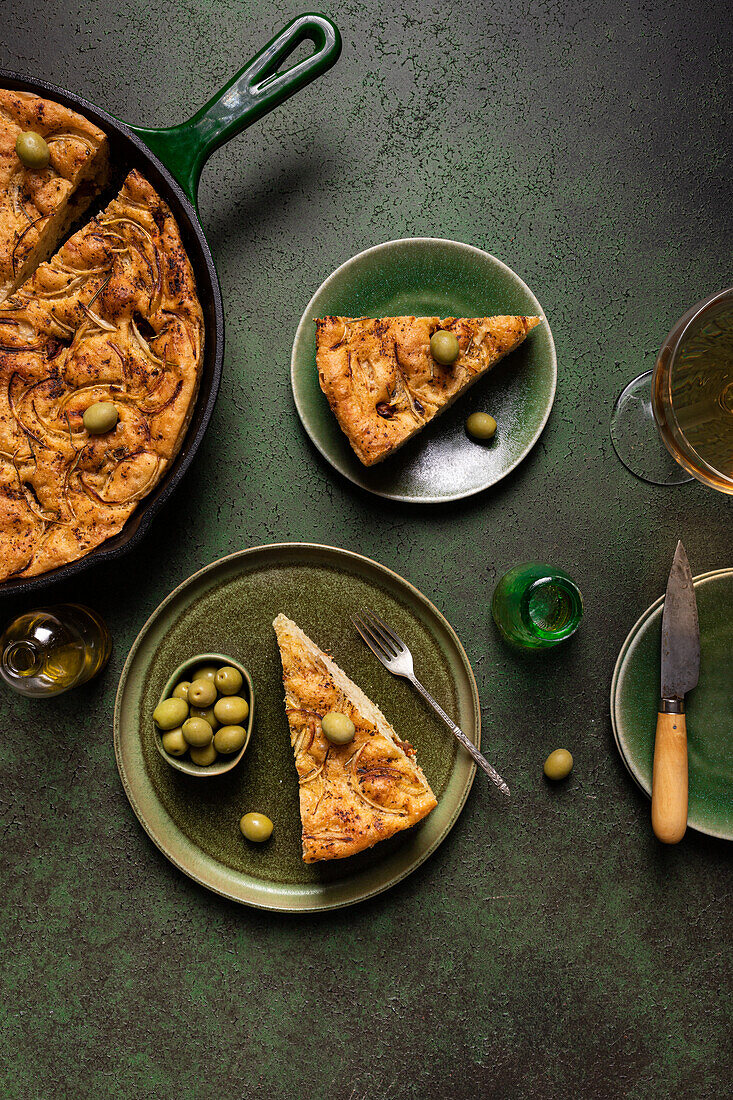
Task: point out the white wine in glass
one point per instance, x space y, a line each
692 394
686 403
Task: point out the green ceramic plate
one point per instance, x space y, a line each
228 607
635 697
425 276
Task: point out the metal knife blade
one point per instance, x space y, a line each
680 631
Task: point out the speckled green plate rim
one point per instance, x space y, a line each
640 778
258 893
352 474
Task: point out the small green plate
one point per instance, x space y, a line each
228 607
426 276
635 699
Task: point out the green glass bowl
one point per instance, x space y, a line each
227 762
427 276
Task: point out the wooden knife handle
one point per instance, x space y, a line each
669 779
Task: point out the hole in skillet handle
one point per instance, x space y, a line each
266 72
223 764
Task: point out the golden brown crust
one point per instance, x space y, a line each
383 384
37 206
113 316
351 796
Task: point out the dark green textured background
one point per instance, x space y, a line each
550 948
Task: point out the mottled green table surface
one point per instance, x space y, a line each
550 948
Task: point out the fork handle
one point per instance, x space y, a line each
460 736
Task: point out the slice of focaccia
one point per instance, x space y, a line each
37 205
354 795
382 382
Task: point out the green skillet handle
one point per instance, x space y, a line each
257 89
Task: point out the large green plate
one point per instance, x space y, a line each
635 699
426 276
228 607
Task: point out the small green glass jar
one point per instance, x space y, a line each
536 606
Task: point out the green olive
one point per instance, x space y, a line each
170 713
229 680
207 714
101 417
256 827
444 347
481 426
197 732
232 710
206 672
180 691
204 756
32 149
559 764
174 742
201 693
229 739
338 728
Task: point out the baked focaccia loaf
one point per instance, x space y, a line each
351 796
383 384
112 317
38 205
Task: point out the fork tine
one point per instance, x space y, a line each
374 644
386 632
378 633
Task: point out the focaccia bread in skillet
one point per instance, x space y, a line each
113 316
351 796
38 205
383 384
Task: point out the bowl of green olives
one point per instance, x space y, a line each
203 720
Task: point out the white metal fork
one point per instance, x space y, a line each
389 648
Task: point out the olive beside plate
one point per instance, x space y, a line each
225 763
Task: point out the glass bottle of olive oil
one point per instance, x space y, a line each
52 649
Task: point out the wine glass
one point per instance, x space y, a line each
676 422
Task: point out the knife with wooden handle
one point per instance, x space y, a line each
680 672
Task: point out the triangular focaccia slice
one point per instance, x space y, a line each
37 205
383 384
351 796
113 317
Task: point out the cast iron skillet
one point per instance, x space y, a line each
172 159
